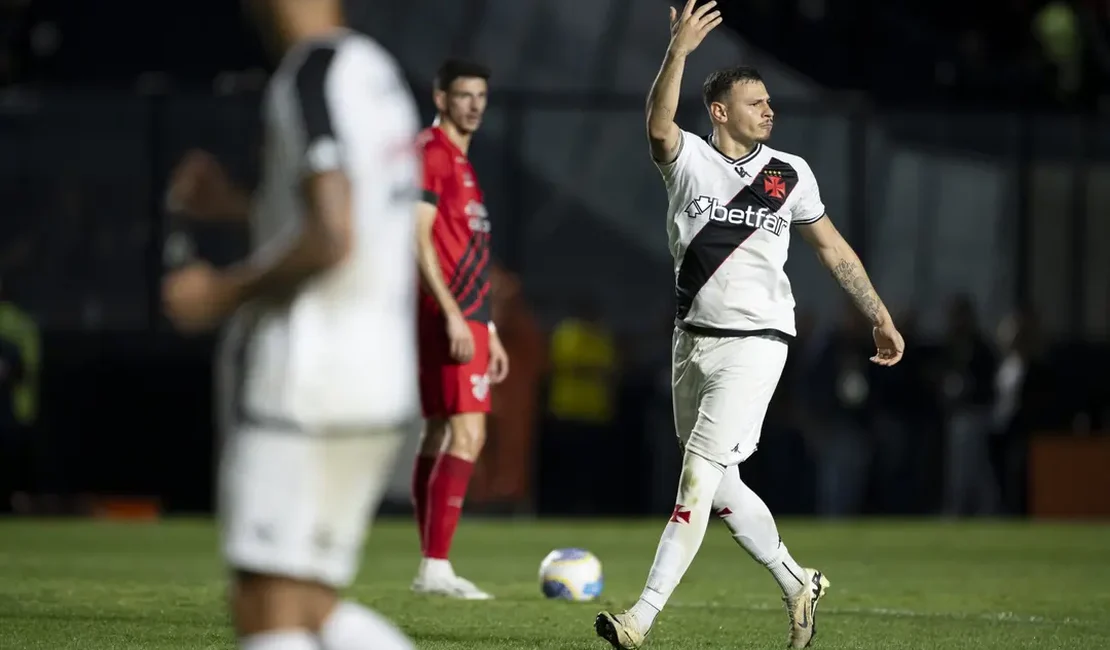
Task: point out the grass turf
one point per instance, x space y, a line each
895 584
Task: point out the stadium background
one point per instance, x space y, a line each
967 159
962 147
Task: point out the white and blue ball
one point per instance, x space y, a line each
571 574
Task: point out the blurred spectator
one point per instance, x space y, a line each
648 391
784 440
581 406
1056 26
1100 398
20 354
1024 403
1094 21
967 393
840 399
502 473
904 420
785 409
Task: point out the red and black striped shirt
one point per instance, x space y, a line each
461 234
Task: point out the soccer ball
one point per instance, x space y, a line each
571 574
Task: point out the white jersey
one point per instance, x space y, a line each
343 351
728 227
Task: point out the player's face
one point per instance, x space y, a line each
464 103
748 111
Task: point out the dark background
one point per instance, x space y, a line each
904 107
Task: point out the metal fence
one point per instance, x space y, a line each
1003 207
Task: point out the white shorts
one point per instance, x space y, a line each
299 506
721 388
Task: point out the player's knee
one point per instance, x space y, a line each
699 481
468 435
433 436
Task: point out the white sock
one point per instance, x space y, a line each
280 640
754 529
431 568
682 537
354 627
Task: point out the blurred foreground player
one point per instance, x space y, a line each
460 354
313 415
732 202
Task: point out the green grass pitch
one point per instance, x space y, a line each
895 584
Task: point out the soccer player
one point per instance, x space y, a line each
323 325
732 202
460 354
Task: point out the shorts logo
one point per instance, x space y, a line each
323 540
479 386
264 533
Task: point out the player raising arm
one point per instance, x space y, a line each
687 32
732 201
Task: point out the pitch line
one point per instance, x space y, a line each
994 617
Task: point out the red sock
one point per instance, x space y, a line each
446 492
421 478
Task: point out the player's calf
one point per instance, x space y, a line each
447 487
677 547
754 529
432 440
277 613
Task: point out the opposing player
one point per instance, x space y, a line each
460 354
324 322
732 201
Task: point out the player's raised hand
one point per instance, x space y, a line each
690 27
888 343
201 188
460 339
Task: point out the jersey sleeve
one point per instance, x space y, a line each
808 207
437 172
320 87
680 166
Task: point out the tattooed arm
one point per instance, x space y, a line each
837 256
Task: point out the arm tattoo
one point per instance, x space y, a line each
665 113
853 280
